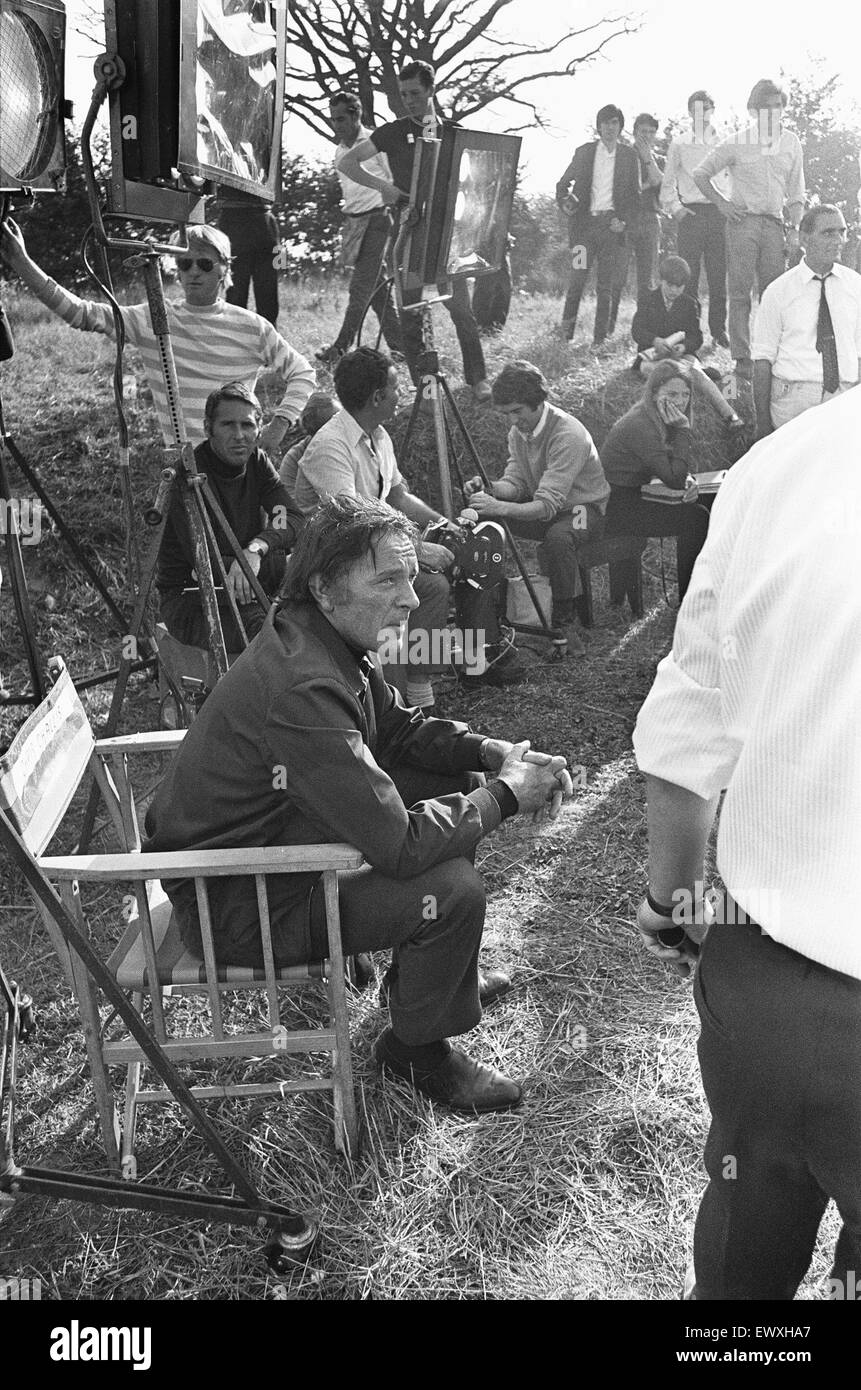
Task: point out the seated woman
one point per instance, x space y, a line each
653 440
666 327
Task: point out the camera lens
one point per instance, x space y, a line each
671 936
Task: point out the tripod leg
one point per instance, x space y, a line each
67 534
17 575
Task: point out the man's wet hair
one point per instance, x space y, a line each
339 533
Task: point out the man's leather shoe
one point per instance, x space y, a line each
492 984
458 1082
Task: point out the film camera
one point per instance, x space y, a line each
478 548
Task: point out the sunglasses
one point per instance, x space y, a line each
204 263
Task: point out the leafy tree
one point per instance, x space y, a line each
310 217
830 136
362 44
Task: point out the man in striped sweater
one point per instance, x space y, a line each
212 341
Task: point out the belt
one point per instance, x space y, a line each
369 212
698 207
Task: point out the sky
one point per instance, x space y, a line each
722 45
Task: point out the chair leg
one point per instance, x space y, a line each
346 1119
91 1024
635 587
130 1113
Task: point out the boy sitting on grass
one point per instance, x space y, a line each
667 327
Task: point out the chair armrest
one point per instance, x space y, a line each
209 863
153 741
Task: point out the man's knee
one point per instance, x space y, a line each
459 889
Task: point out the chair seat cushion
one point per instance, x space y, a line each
178 965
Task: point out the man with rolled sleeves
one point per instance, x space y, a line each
766 168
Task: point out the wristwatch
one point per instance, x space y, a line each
258 547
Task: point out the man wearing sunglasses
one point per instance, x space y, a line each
212 341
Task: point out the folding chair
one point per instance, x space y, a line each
39 777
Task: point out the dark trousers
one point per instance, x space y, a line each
182 613
701 237
253 236
432 923
780 1054
467 334
629 514
595 244
367 286
560 540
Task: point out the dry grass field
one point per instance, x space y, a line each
589 1191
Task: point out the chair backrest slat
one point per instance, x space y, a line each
268 954
209 955
43 766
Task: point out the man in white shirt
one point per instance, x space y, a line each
807 333
759 697
766 168
365 235
600 192
699 224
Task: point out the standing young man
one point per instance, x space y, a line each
600 192
699 224
766 168
397 141
645 233
365 235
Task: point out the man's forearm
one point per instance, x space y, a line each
762 396
412 506
351 168
524 511
679 824
707 188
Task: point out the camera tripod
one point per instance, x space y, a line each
435 388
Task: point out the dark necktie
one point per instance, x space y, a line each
826 343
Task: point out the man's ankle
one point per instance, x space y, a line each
422 1056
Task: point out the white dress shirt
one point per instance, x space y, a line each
784 332
342 459
602 179
356 197
761 693
763 174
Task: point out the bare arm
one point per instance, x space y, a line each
350 165
679 823
762 396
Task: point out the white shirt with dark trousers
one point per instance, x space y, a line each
760 695
602 179
785 331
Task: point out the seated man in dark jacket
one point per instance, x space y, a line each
246 487
666 327
303 742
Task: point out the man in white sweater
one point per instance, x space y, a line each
553 489
212 341
760 697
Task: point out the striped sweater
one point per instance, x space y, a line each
212 344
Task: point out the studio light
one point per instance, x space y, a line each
32 108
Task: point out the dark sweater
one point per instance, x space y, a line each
639 448
654 320
242 497
288 750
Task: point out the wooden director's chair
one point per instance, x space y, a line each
39 777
